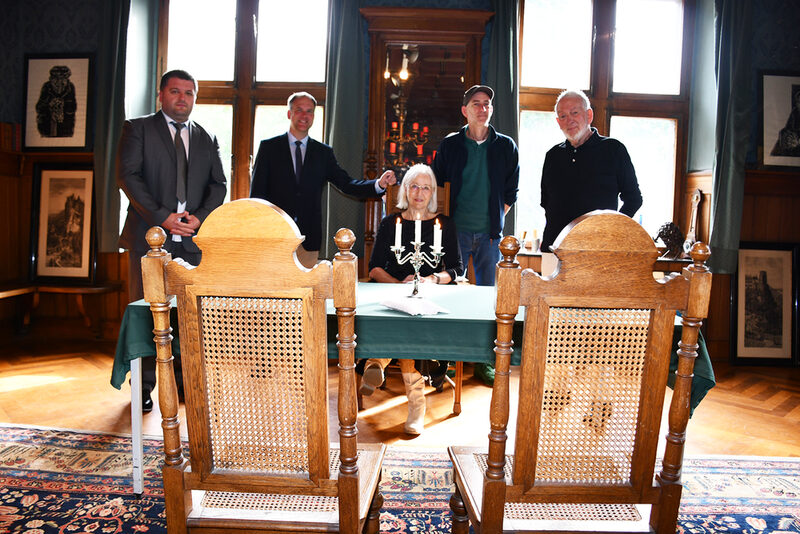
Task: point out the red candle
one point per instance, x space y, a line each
419 150
415 126
424 129
429 160
392 148
434 154
394 125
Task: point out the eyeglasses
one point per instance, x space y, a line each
423 188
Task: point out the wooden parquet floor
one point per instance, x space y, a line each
61 379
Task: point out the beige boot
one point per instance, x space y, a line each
415 391
373 375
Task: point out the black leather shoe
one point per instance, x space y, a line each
147 402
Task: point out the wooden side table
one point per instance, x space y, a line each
24 288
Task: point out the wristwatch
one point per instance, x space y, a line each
438 279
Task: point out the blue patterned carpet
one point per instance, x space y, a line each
55 481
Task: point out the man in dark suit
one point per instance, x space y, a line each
291 170
171 181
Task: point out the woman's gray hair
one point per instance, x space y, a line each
413 172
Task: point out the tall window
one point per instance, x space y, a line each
629 58
247 59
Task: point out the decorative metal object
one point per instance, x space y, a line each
691 235
417 259
672 237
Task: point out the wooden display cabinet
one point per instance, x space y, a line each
441 51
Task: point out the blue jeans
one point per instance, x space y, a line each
485 255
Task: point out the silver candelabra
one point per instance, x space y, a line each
417 258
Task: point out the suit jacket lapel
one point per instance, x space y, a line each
164 133
195 142
311 150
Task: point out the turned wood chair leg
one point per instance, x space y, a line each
373 522
460 518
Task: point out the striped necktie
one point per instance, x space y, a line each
180 156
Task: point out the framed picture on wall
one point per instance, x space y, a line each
765 304
58 103
62 224
780 111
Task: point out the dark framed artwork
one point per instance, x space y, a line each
780 112
62 224
58 103
764 298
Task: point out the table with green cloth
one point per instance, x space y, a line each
466 332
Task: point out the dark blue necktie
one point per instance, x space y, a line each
298 160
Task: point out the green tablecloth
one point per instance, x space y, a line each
466 332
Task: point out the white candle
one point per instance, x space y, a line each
437 236
417 230
398 232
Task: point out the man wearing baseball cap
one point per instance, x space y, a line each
482 167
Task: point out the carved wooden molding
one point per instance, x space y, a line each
421 26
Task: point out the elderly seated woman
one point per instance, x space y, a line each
417 200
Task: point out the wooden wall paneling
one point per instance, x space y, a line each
793 227
15 203
748 213
121 274
697 180
770 213
14 231
717 328
23 225
766 219
7 204
112 305
106 267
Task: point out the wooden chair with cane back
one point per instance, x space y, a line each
443 207
254 354
595 359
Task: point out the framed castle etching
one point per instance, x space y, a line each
62 224
765 297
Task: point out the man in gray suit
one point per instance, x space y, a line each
173 181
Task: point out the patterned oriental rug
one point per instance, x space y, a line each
57 481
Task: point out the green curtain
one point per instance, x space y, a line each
703 96
141 81
502 76
733 31
109 100
345 109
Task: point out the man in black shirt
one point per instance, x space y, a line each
586 172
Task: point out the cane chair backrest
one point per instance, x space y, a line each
254 355
596 346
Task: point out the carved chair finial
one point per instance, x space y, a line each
156 237
700 253
509 247
344 239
